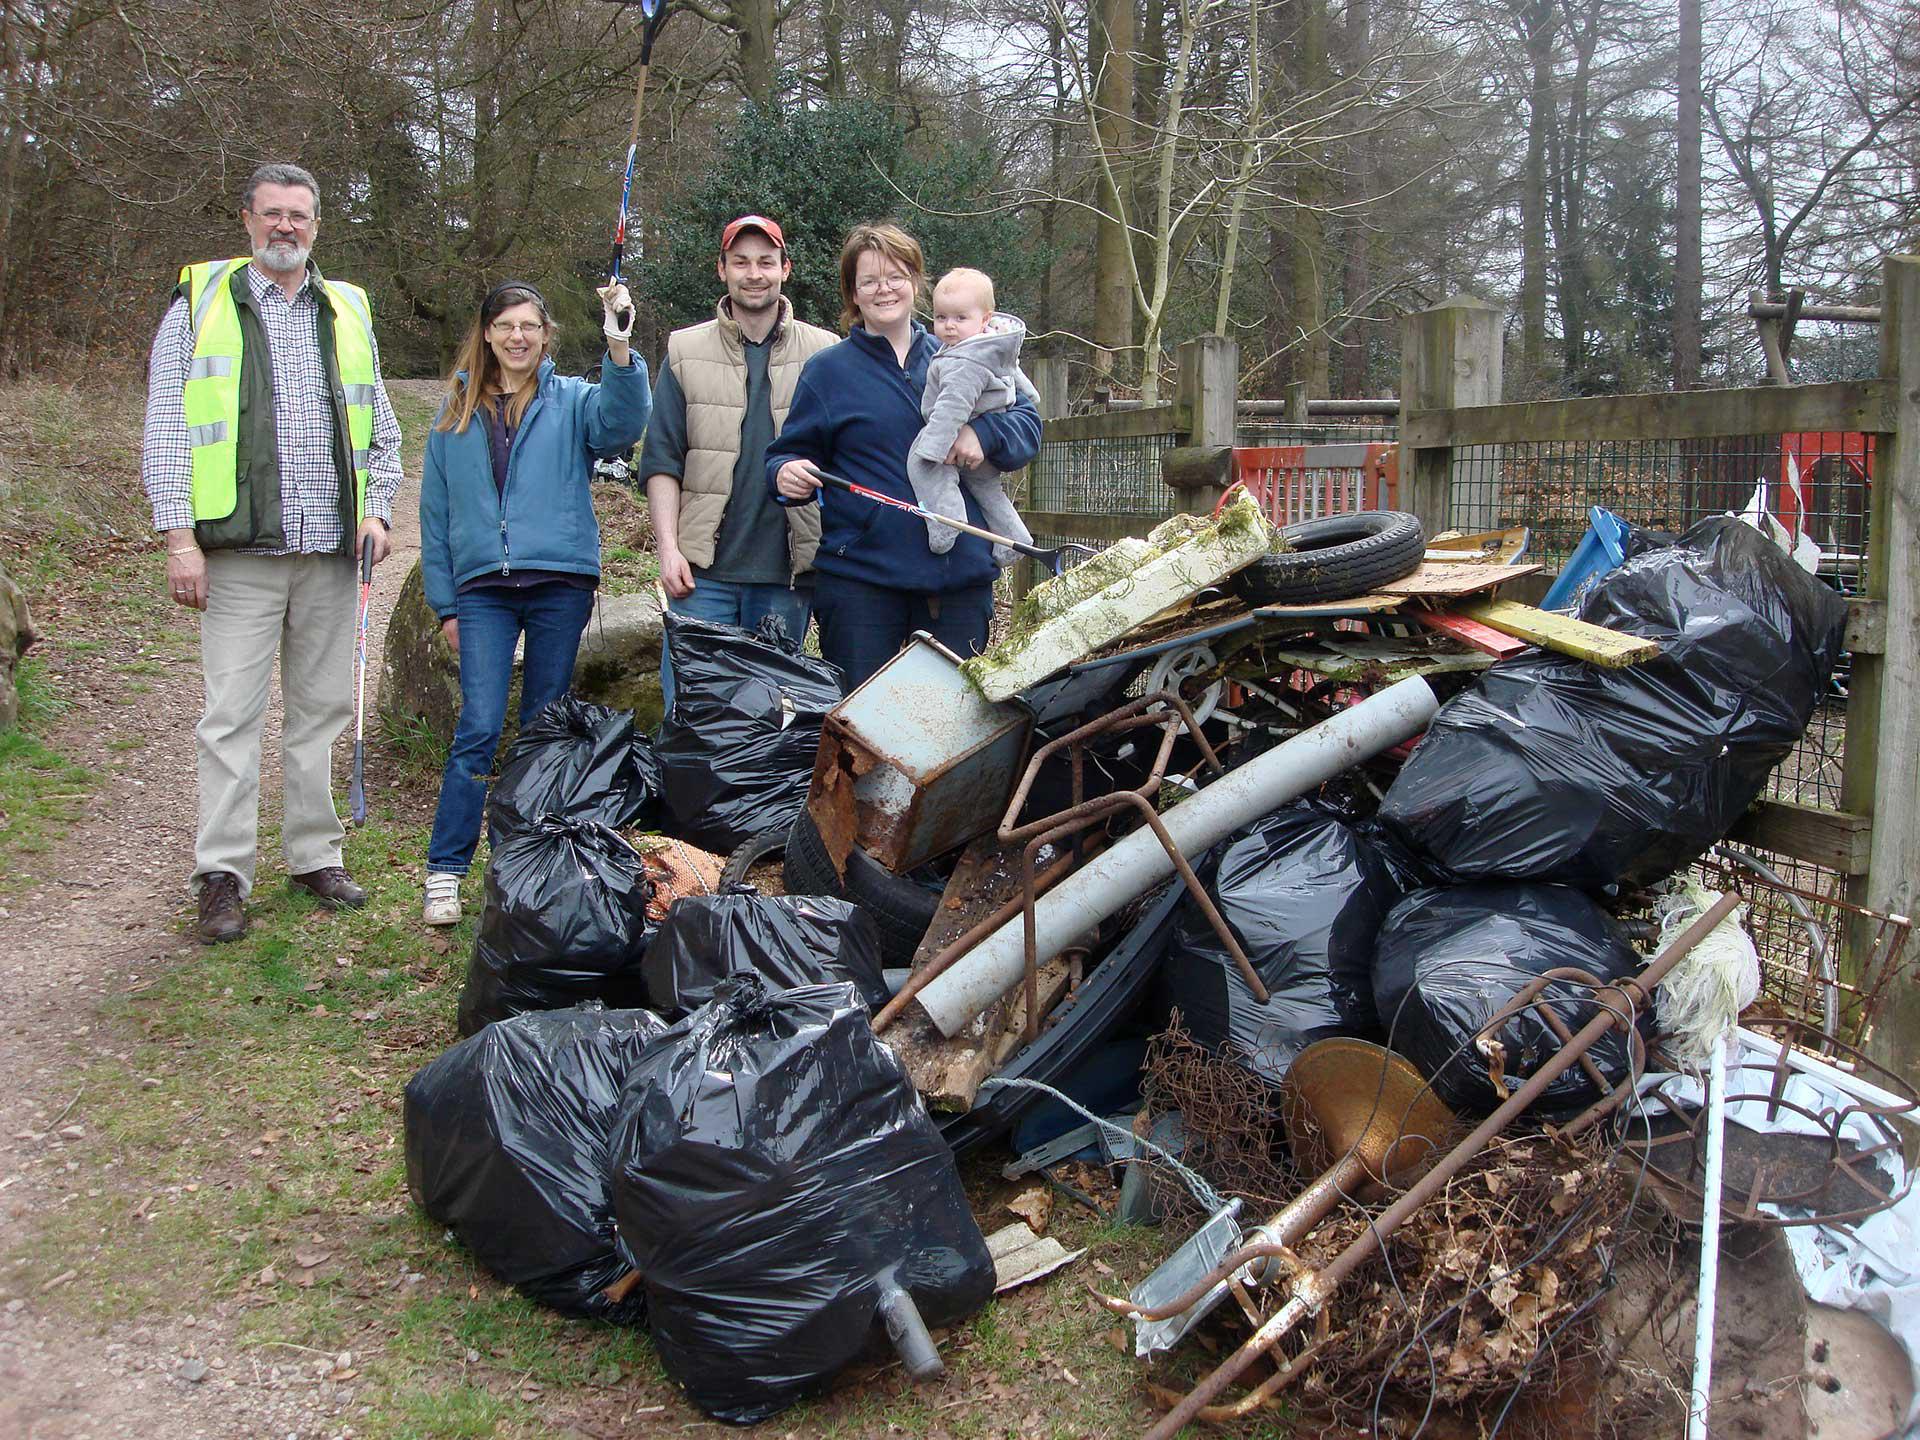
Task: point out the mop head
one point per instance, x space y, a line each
1701 999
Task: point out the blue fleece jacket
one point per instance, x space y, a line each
545 519
855 413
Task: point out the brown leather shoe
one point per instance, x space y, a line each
222 917
331 886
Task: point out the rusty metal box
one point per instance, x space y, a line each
915 761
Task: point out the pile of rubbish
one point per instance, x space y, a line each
1381 851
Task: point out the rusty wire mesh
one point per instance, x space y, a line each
1230 1119
1799 920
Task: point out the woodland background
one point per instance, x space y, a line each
1619 175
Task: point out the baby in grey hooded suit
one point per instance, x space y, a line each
976 373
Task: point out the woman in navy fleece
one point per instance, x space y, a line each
855 414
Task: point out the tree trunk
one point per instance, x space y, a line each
1686 260
1311 192
1537 19
1110 55
1360 181
754 27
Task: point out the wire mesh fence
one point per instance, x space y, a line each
1111 475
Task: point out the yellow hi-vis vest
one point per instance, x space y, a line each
211 398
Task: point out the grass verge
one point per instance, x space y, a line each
41 791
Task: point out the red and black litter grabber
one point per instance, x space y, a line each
1053 559
357 793
654 15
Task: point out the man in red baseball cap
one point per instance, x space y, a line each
727 551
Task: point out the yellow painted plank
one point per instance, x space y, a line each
1569 636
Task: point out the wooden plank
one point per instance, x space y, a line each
1332 609
1118 424
1436 580
1832 839
1881 777
1499 547
1195 467
1866 626
1569 636
1471 632
1868 405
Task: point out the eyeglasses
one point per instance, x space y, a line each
874 284
298 219
501 329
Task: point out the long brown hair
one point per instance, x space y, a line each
894 244
475 369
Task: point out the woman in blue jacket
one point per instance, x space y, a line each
508 540
855 414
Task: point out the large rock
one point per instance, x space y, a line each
16 634
618 664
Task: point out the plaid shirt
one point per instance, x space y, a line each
302 425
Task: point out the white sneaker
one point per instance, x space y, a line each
443 899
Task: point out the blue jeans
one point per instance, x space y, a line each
552 616
863 626
726 603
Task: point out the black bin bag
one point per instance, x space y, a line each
507 1137
1304 893
565 921
778 1182
1447 961
1556 770
576 759
787 940
736 750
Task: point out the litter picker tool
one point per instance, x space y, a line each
1052 559
654 15
357 793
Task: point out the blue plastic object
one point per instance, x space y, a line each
1604 546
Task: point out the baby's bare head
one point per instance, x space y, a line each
962 305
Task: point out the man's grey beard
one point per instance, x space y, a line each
282 256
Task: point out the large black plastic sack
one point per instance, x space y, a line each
736 750
577 759
1447 961
772 1167
1553 769
1304 893
507 1137
787 940
565 921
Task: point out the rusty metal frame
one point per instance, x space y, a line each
1147 712
1842 1160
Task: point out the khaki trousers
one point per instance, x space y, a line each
302 608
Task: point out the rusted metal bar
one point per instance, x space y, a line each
1309 1292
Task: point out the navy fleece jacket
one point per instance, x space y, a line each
856 413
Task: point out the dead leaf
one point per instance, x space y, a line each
269 1276
308 1256
1034 1206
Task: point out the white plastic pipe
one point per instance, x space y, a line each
1138 862
1707 1291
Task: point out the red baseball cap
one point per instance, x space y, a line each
752 222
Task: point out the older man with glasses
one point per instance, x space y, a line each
271 455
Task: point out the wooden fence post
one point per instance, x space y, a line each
1882 776
1297 403
1450 356
1050 379
1209 393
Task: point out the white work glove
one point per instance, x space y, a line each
617 321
